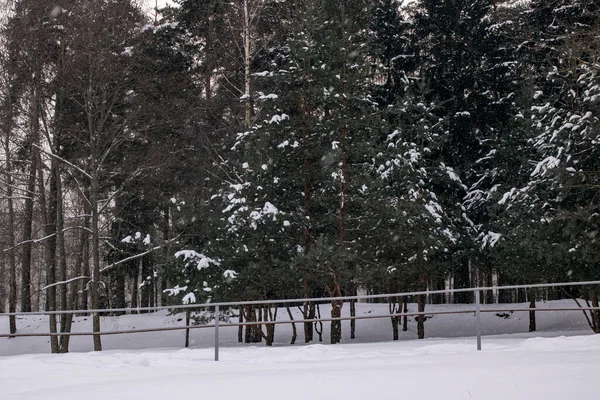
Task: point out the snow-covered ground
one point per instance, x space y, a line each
555 323
513 364
507 369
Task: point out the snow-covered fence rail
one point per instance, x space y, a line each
219 306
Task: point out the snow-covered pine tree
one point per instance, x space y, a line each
466 58
565 107
417 198
305 160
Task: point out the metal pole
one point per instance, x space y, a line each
217 315
478 318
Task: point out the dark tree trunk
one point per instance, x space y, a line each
95 283
27 237
269 315
308 312
319 324
352 321
421 317
145 289
336 326
395 333
68 321
253 332
270 336
187 331
118 288
241 327
63 289
28 211
405 317
78 271
532 327
12 264
49 215
134 291
395 319
140 281
85 255
595 313
294 331
336 312
257 331
2 292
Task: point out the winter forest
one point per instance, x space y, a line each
266 149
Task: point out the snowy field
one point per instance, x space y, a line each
508 369
549 324
560 361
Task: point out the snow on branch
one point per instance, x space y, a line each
545 165
136 256
202 261
65 282
490 239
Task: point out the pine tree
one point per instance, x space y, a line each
563 185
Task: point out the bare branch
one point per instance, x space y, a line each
35 241
65 282
63 160
136 256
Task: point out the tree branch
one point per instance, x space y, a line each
64 282
136 256
64 161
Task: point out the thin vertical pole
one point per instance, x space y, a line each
217 315
478 318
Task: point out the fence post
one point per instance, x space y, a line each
478 318
217 315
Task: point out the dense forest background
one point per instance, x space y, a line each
257 149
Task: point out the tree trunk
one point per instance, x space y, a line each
28 211
118 288
395 320
143 288
241 327
308 312
85 255
64 300
26 238
405 317
187 331
134 292
352 321
12 264
421 317
247 75
532 327
140 283
253 332
319 324
336 326
95 283
48 213
336 312
269 315
294 331
595 313
77 271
